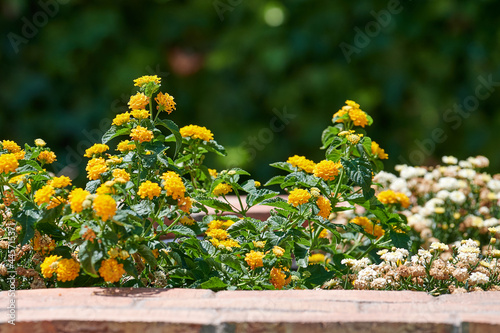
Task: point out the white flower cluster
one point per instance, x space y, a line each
468 252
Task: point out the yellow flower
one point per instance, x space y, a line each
222 189
11 146
215 224
43 244
106 188
316 258
325 207
379 152
60 182
257 183
49 266
47 157
323 234
121 119
165 102
259 244
327 170
219 234
141 134
121 176
278 251
96 149
96 167
356 115
140 114
44 194
111 270
67 270
196 132
54 202
8 163
212 172
228 243
354 138
185 204
172 182
113 160
149 189
278 278
187 220
40 143
125 146
298 197
302 163
138 101
20 154
390 197
76 198
254 259
369 227
104 206
146 79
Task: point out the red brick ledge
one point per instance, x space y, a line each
188 310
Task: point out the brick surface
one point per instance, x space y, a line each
204 311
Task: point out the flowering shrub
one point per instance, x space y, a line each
147 182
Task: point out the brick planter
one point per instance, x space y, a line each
188 310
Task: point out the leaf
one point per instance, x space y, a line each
216 204
113 132
244 224
318 276
283 166
400 240
231 261
278 203
51 229
276 180
93 185
172 127
257 196
301 253
328 135
181 230
147 254
89 254
144 208
359 171
214 147
27 218
215 283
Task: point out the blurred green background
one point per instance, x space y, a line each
264 76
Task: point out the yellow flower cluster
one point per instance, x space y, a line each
44 194
40 143
356 115
11 146
298 196
138 101
316 258
104 206
187 220
369 227
390 197
8 163
96 167
60 182
185 204
165 102
196 132
47 157
146 79
76 198
141 134
219 236
67 270
111 270
278 251
325 207
278 278
121 119
49 266
140 114
254 259
377 151
120 176
173 184
54 202
302 163
149 189
125 146
222 189
327 170
43 244
96 149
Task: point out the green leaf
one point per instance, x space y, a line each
216 204
46 227
215 283
90 254
358 170
400 240
147 254
283 166
244 224
318 276
172 127
27 218
214 147
93 185
143 208
231 261
279 203
276 180
113 132
301 253
181 230
256 197
328 135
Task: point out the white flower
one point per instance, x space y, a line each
384 178
494 185
439 246
449 160
395 256
400 185
467 173
465 164
423 257
478 278
356 265
448 183
367 274
457 197
443 194
483 210
378 283
491 222
479 161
